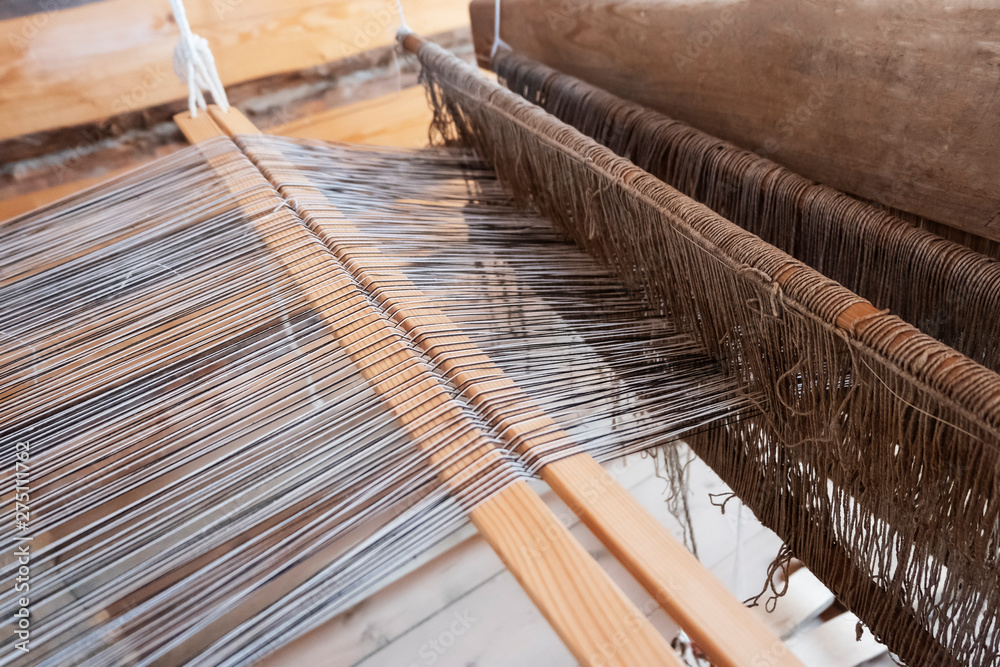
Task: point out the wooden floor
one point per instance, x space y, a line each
457 605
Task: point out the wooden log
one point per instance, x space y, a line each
66 67
885 101
590 613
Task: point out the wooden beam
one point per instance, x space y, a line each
888 102
590 613
67 67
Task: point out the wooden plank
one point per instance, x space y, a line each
397 119
82 64
588 611
886 101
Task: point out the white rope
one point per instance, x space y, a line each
403 28
194 64
497 42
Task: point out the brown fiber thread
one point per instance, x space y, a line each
888 492
944 289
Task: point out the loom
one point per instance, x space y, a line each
256 376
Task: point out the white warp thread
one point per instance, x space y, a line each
195 65
403 28
497 42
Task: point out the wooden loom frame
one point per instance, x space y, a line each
879 333
852 320
561 579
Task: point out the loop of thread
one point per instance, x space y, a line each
195 65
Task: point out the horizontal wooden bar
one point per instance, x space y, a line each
888 104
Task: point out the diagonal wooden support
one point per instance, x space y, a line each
590 613
690 594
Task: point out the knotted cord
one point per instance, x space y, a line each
195 65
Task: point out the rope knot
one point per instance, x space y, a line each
195 65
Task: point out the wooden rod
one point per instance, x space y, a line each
592 616
721 626
692 66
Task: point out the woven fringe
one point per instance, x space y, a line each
876 457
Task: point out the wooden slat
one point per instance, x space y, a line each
78 65
588 611
889 102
